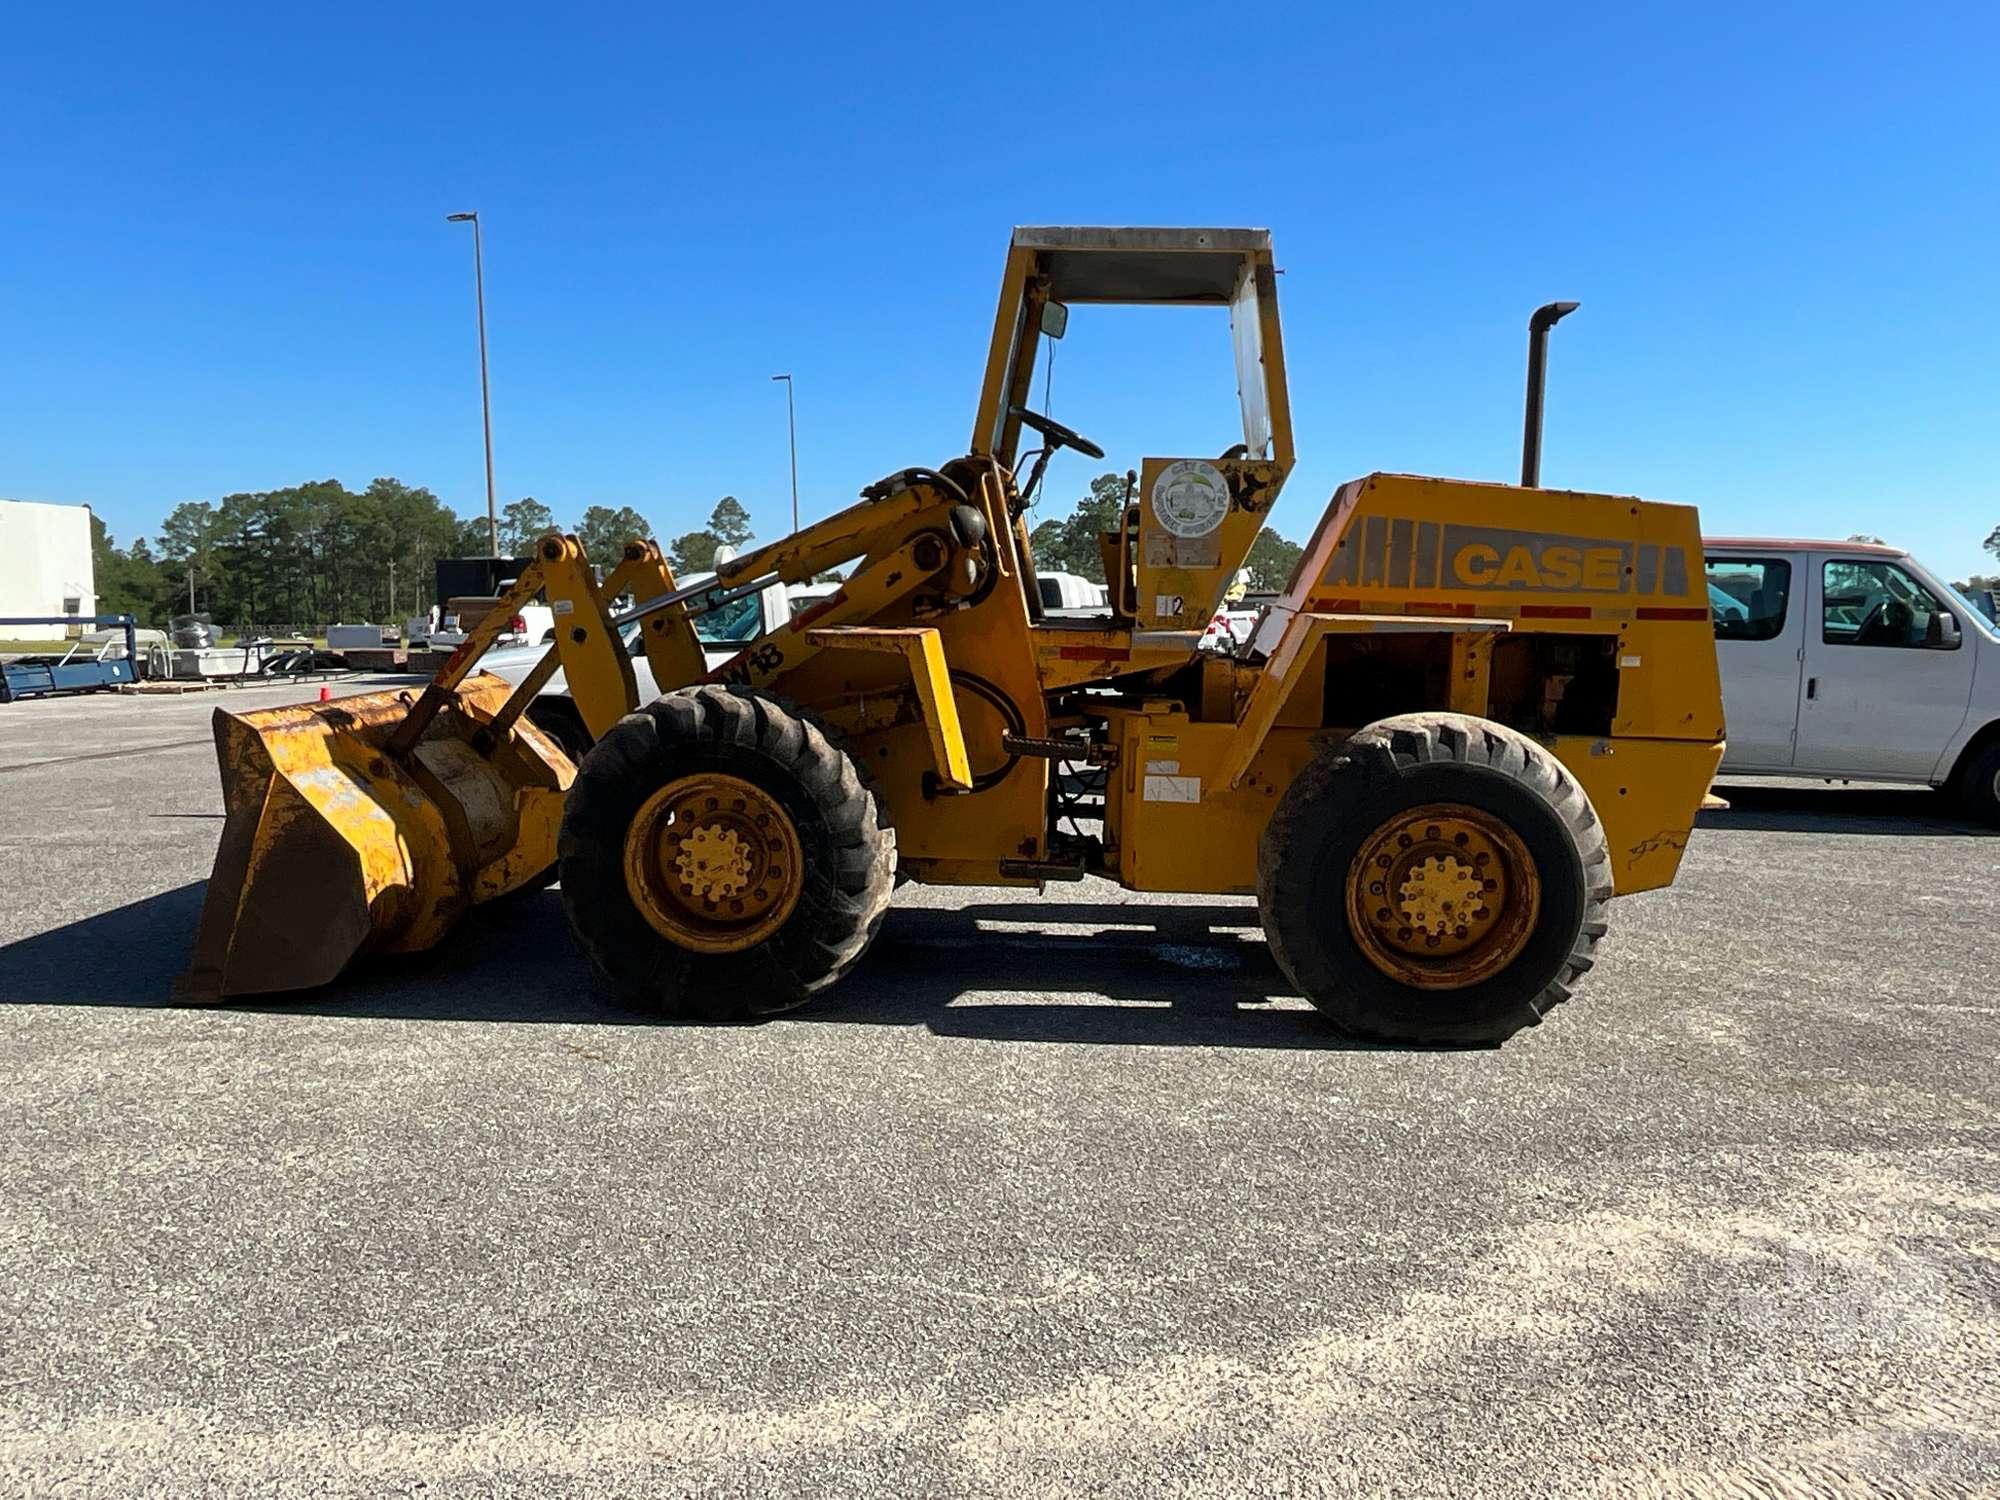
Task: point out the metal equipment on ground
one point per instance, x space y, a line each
1476 714
83 667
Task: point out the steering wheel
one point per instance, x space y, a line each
1057 434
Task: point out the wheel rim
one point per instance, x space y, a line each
1442 896
713 863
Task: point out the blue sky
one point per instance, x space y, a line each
224 264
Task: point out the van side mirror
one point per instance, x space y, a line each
1943 634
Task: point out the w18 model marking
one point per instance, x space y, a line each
755 663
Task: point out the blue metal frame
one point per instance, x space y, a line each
40 675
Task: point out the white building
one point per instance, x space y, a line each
45 566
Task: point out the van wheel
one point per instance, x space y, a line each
1437 878
1979 785
720 858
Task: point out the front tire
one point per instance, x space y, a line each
1437 878
1979 786
721 859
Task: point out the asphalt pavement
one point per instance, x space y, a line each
1051 1197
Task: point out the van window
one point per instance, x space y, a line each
1875 603
1747 597
1051 593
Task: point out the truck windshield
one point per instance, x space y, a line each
740 620
1979 614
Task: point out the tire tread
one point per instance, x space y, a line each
725 728
1391 747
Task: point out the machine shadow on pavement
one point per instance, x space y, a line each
1129 974
1888 811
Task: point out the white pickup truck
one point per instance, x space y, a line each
1851 660
533 624
1072 594
722 632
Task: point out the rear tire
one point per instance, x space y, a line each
846 853
1509 796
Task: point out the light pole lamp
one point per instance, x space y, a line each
485 397
792 430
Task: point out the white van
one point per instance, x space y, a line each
1852 660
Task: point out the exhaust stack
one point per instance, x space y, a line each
1545 317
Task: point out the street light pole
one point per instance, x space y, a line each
485 397
792 429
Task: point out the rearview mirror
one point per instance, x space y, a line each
1943 631
1055 319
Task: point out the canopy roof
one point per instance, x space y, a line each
1099 264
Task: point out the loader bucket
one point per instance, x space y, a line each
332 848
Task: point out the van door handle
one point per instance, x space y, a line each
1812 687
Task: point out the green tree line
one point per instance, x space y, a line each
298 559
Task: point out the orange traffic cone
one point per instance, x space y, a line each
325 693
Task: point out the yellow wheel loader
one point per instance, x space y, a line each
1476 713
